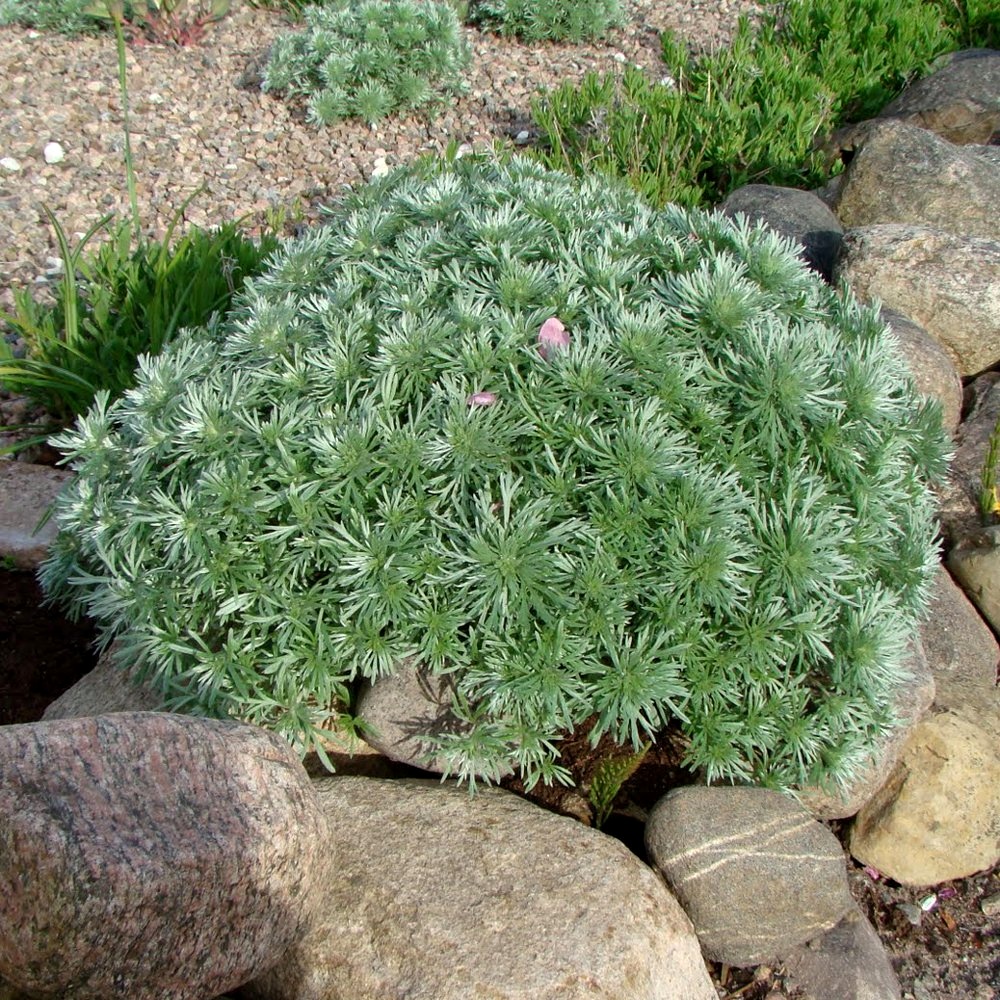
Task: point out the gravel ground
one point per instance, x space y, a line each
199 119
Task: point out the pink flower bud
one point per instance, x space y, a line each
481 399
551 336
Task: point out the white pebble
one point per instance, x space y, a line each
9 164
522 137
463 150
53 264
668 81
54 153
155 98
381 168
619 57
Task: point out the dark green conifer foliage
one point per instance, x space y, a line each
701 496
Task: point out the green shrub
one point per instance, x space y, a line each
117 303
746 113
597 462
547 20
68 17
370 58
975 24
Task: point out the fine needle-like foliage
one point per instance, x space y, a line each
370 58
547 20
596 462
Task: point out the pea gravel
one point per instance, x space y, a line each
199 120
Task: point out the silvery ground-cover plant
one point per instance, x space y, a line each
596 462
369 58
547 20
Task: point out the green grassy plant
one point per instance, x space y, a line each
370 58
750 112
596 463
974 23
115 304
547 20
989 501
67 17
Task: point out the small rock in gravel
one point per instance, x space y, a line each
990 905
522 137
9 164
912 912
53 152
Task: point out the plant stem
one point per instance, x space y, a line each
123 85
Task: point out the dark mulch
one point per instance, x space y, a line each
41 653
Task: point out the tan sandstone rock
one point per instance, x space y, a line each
962 654
948 284
938 816
930 365
975 563
905 174
439 894
958 100
26 491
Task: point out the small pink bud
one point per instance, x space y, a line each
872 873
481 399
552 335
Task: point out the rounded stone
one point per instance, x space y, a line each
147 856
756 874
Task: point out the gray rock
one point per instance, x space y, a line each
904 174
932 369
800 215
948 284
991 153
756 874
443 895
938 816
26 491
959 499
975 564
107 688
959 100
848 962
399 710
961 651
912 699
149 856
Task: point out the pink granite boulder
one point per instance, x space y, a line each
151 856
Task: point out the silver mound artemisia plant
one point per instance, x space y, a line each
594 461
